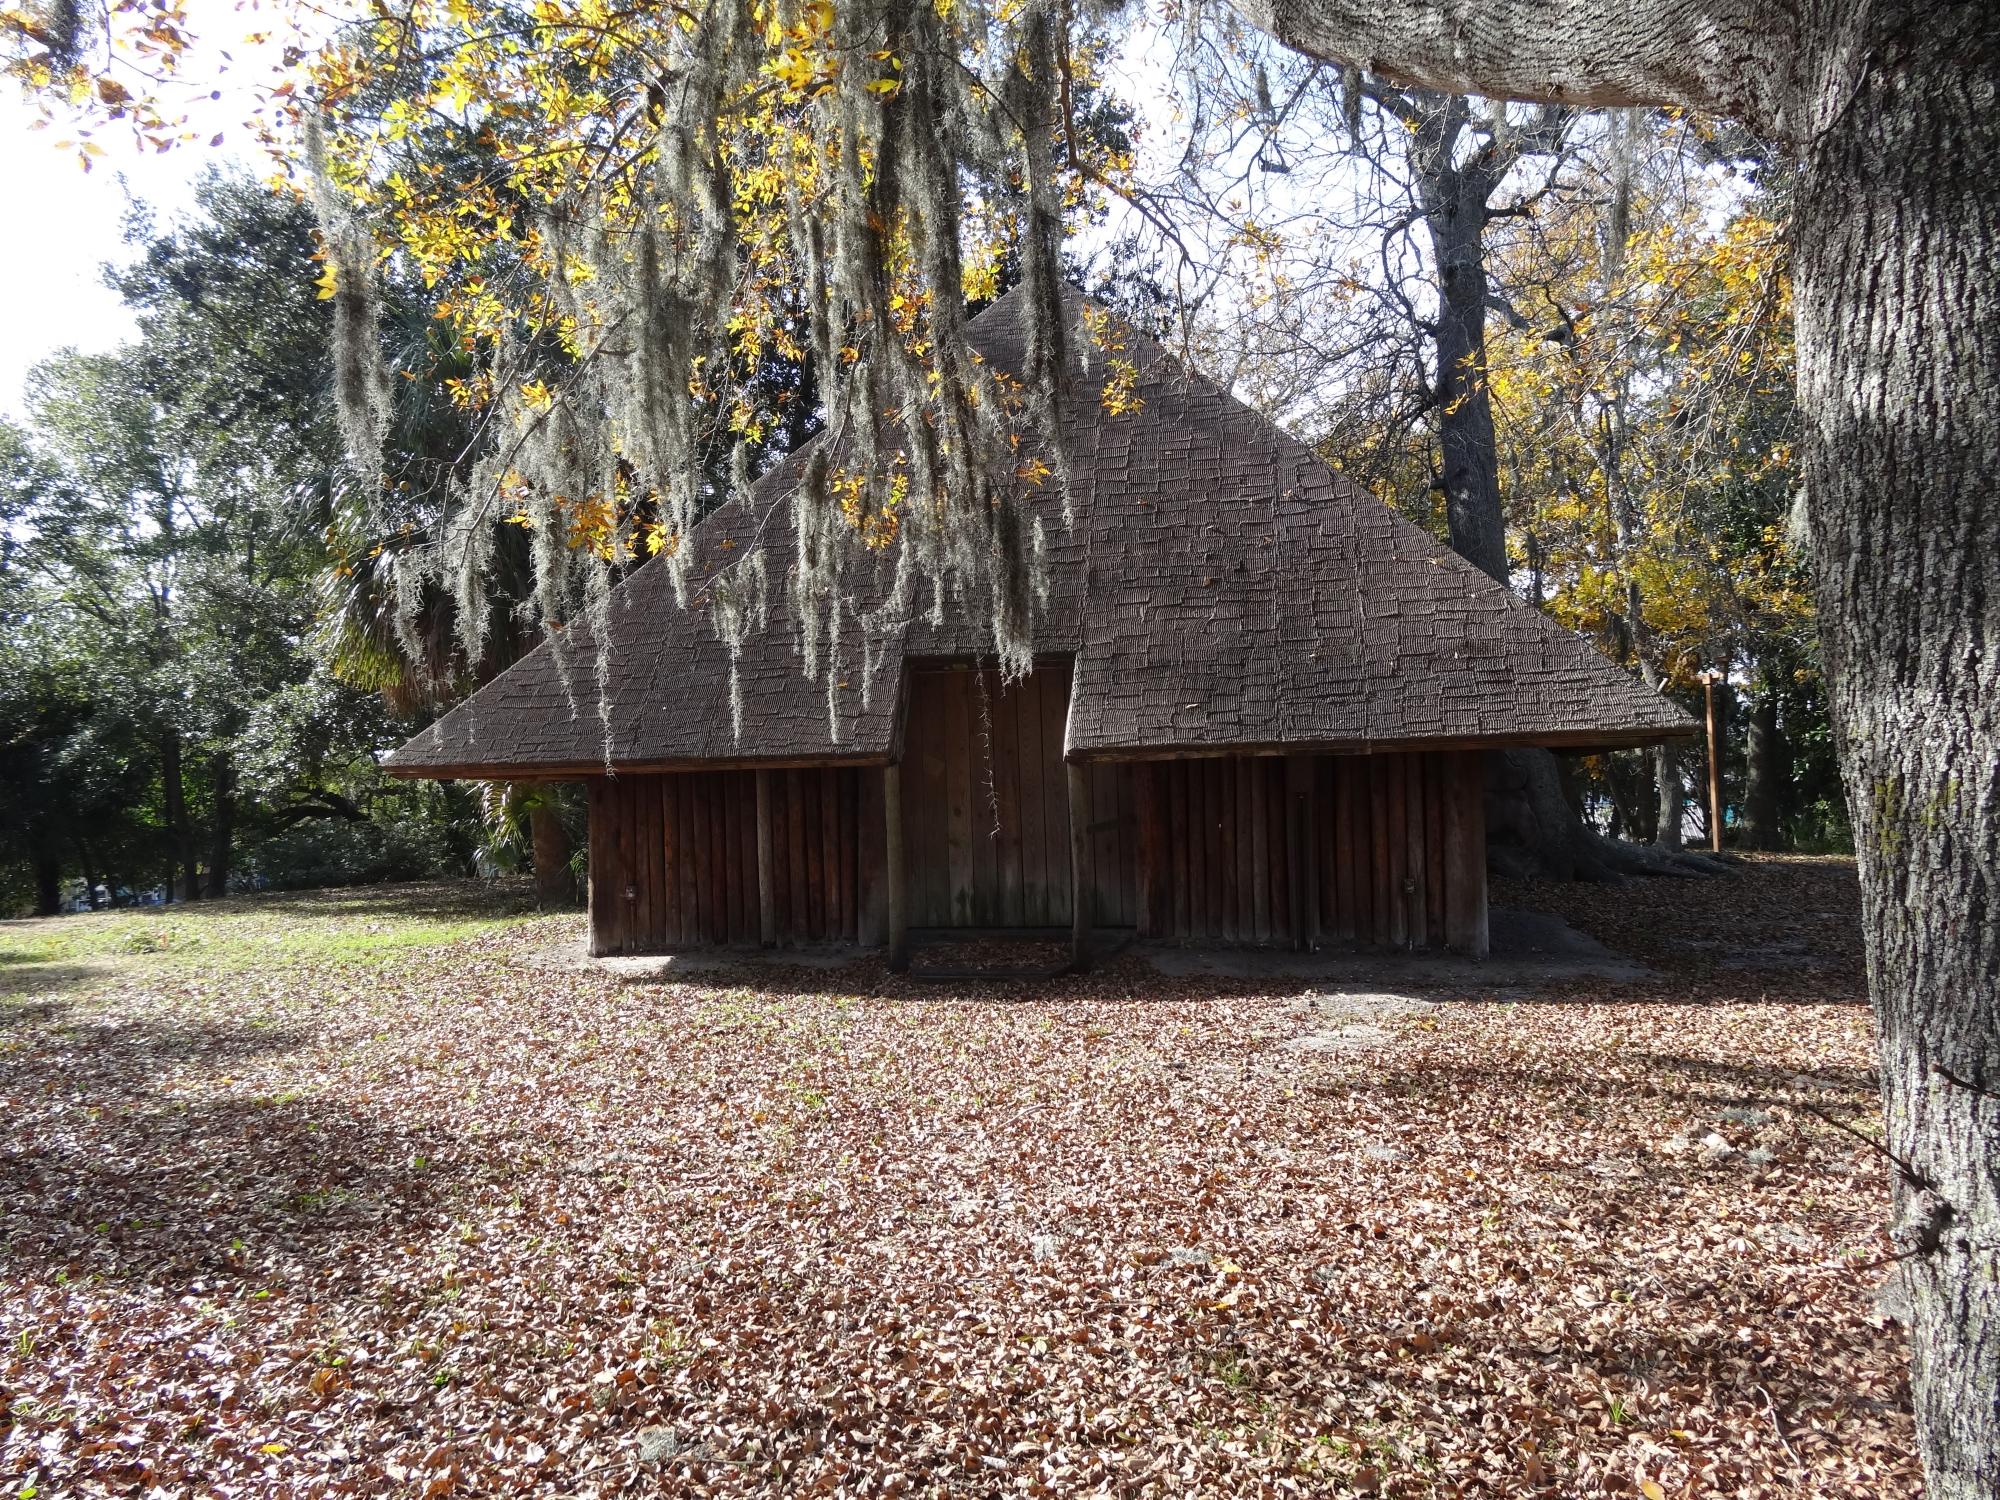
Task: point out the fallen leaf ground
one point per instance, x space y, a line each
363 1193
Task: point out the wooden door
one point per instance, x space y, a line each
986 805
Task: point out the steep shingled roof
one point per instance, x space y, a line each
1221 588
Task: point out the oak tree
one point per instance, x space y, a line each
1891 111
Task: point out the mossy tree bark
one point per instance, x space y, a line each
555 880
1899 352
1763 770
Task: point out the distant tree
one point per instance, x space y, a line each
1648 427
167 558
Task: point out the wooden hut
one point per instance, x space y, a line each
1258 715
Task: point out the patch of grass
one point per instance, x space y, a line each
365 926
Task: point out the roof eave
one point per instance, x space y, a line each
584 770
1581 739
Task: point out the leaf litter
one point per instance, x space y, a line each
286 1214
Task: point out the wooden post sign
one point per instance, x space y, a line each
1708 681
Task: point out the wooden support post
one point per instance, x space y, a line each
1301 861
892 828
767 860
1081 886
597 893
1465 853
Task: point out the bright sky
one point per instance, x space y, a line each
52 264
53 272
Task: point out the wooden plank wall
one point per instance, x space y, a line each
986 806
1378 872
1212 849
1388 850
1211 835
673 858
816 826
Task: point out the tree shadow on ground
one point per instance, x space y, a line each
434 900
1676 1076
1784 1413
26 978
994 977
113 1166
1729 1333
1751 1079
83 1052
416 901
1029 970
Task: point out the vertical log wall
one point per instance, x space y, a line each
985 805
674 858
1377 851
1382 851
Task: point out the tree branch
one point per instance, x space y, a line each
1904 1168
318 804
1724 57
1965 1083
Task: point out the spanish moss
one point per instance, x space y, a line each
622 411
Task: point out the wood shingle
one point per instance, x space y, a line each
1221 590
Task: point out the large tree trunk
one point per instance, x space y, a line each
1893 109
89 867
222 830
1454 198
1537 832
1899 380
48 882
1763 760
1532 829
1636 786
1669 806
555 881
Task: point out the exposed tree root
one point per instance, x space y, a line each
1646 859
1534 833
